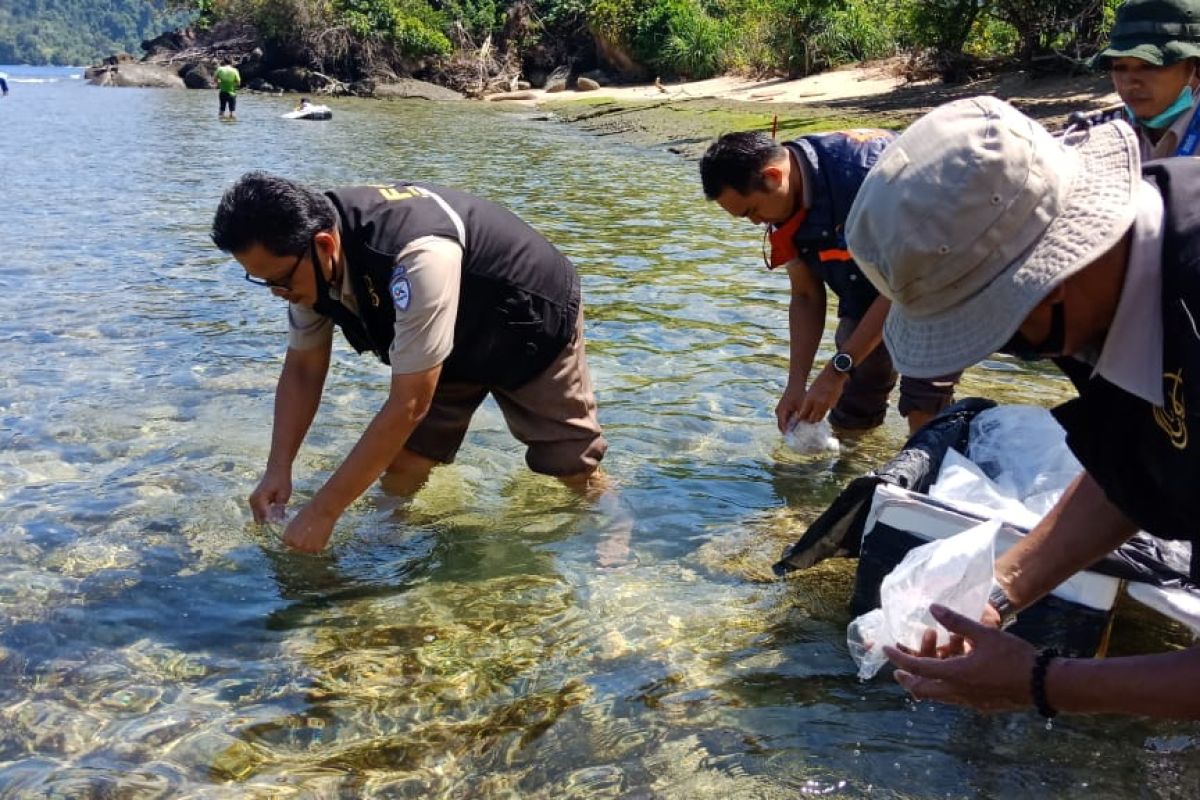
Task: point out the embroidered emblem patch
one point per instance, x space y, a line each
401 290
1172 417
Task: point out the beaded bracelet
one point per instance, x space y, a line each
1037 682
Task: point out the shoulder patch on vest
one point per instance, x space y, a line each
400 289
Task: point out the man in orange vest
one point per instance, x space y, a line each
802 191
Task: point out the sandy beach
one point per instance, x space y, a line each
684 117
870 81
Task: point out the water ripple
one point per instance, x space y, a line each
155 643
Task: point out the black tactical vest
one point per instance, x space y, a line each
519 298
1147 459
836 164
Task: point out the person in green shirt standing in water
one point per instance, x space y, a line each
228 81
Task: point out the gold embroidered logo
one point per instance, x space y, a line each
1171 416
393 194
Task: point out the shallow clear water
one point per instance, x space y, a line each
155 643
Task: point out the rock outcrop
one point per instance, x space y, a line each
197 76
133 73
410 88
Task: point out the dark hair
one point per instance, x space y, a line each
736 161
281 215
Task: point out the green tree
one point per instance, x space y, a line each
80 31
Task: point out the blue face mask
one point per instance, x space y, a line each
1170 114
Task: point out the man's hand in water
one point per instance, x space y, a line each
788 407
983 667
822 395
275 489
309 532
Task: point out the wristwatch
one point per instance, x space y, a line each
1000 601
842 362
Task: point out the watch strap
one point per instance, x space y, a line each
1000 601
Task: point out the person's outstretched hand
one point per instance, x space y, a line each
788 407
309 532
275 489
982 667
823 394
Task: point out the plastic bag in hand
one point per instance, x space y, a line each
811 437
956 572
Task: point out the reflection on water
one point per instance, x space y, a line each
155 643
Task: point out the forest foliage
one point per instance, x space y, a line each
79 31
666 38
701 38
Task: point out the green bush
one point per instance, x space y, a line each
416 38
672 37
798 37
689 42
940 25
479 18
411 25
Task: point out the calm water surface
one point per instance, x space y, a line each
155 643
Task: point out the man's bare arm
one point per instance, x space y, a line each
408 402
1080 530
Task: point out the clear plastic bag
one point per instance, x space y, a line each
1024 451
963 484
279 514
811 437
956 572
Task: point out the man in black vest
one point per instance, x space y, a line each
457 294
989 234
802 191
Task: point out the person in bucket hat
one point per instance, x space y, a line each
1152 58
989 234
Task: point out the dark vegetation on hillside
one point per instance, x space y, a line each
79 31
483 45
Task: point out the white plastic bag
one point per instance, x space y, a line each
811 437
955 572
962 484
1024 450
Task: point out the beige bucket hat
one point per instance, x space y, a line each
973 215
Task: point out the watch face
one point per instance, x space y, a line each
842 362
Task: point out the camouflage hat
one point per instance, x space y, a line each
1160 32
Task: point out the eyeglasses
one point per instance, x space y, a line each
283 283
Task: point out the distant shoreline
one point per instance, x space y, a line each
683 118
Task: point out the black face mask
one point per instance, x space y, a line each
1020 347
